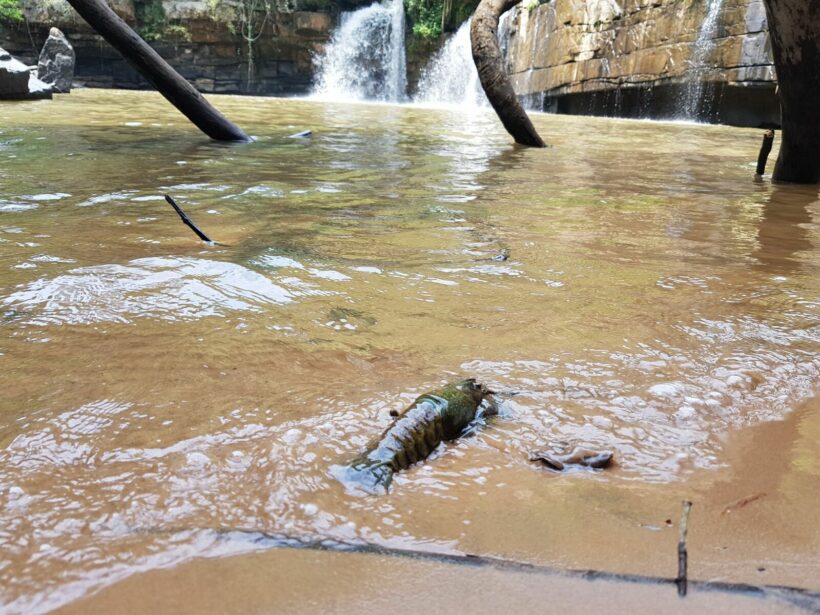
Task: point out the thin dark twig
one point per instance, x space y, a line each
682 555
187 221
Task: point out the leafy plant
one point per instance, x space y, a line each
425 17
153 25
10 10
151 19
177 32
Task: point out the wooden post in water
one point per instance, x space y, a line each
682 578
496 82
763 155
157 71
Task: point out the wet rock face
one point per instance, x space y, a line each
312 24
17 82
56 63
575 48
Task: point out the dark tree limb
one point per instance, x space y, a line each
496 82
157 71
187 221
794 29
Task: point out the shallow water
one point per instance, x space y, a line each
655 299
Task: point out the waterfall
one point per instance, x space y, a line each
450 76
697 100
365 57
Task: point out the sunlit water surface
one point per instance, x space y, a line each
655 298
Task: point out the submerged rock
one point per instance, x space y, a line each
17 82
56 63
502 256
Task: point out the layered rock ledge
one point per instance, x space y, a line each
640 57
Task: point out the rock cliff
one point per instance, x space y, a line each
646 57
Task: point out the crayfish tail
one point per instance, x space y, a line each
363 477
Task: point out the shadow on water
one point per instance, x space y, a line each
784 233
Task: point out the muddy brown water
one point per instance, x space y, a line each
656 302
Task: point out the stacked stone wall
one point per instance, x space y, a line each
205 47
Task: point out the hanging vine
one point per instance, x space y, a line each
251 27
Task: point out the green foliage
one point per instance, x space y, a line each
425 17
463 10
151 19
152 23
10 10
177 32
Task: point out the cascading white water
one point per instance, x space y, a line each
365 58
697 100
450 76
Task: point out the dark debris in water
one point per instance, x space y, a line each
579 457
502 256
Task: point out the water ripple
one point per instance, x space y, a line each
164 288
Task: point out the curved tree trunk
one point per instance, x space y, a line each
496 83
157 71
794 27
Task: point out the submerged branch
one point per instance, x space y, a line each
187 221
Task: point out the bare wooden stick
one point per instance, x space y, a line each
187 221
682 556
765 149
